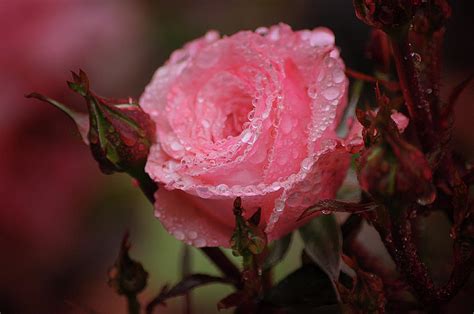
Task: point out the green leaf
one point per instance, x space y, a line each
277 251
323 243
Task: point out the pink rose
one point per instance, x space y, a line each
250 115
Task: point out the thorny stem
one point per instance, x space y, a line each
401 246
408 260
392 86
186 271
351 247
133 304
418 106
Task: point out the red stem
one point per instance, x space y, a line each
418 105
223 264
400 245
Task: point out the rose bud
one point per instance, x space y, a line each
127 276
385 14
394 169
247 238
252 115
119 133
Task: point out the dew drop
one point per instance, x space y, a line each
294 199
261 30
129 140
205 123
279 205
256 123
427 199
312 91
416 57
255 102
178 235
212 36
306 164
325 212
321 38
200 242
251 115
222 188
331 93
274 34
246 135
192 235
338 76
275 186
175 145
330 62
203 191
429 91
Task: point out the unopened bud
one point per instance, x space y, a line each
395 169
127 277
119 132
248 237
385 14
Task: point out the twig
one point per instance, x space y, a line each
418 106
133 304
186 271
392 86
223 264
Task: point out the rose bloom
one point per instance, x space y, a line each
251 115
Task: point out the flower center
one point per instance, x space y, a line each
223 105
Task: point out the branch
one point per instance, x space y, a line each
223 264
418 105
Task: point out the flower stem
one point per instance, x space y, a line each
223 264
401 246
418 105
133 304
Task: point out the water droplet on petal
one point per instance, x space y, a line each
338 76
178 235
312 91
203 191
200 242
279 205
306 164
175 145
205 123
192 235
274 34
222 188
246 135
261 30
331 93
